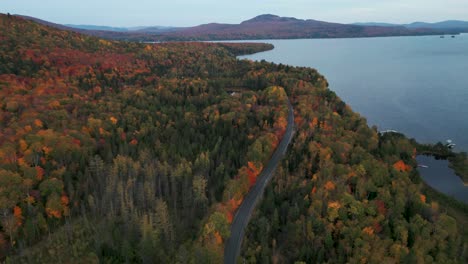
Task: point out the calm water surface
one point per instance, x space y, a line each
440 177
416 85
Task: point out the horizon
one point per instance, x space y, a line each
221 22
140 13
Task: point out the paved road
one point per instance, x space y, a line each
233 244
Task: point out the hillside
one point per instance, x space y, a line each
95 27
123 152
261 27
136 34
152 29
143 138
449 26
275 27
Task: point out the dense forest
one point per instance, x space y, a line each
144 139
121 152
345 199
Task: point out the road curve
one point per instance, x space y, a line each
234 242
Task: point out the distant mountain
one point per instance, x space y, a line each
93 27
272 26
47 23
117 33
450 26
261 27
376 24
156 29
270 18
153 29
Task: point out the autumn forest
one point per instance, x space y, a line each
126 152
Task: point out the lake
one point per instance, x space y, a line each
415 85
442 178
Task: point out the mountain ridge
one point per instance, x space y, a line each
266 26
122 29
457 25
269 26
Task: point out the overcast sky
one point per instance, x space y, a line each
190 13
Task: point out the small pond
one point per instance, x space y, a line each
439 176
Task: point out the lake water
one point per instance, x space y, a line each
416 85
440 177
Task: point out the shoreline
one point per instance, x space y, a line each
440 177
458 161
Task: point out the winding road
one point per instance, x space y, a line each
233 244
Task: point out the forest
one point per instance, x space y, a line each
125 152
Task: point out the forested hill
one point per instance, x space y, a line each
144 139
260 27
118 152
275 27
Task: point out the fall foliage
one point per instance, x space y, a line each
128 152
117 130
401 166
346 194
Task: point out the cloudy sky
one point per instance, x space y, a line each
189 13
